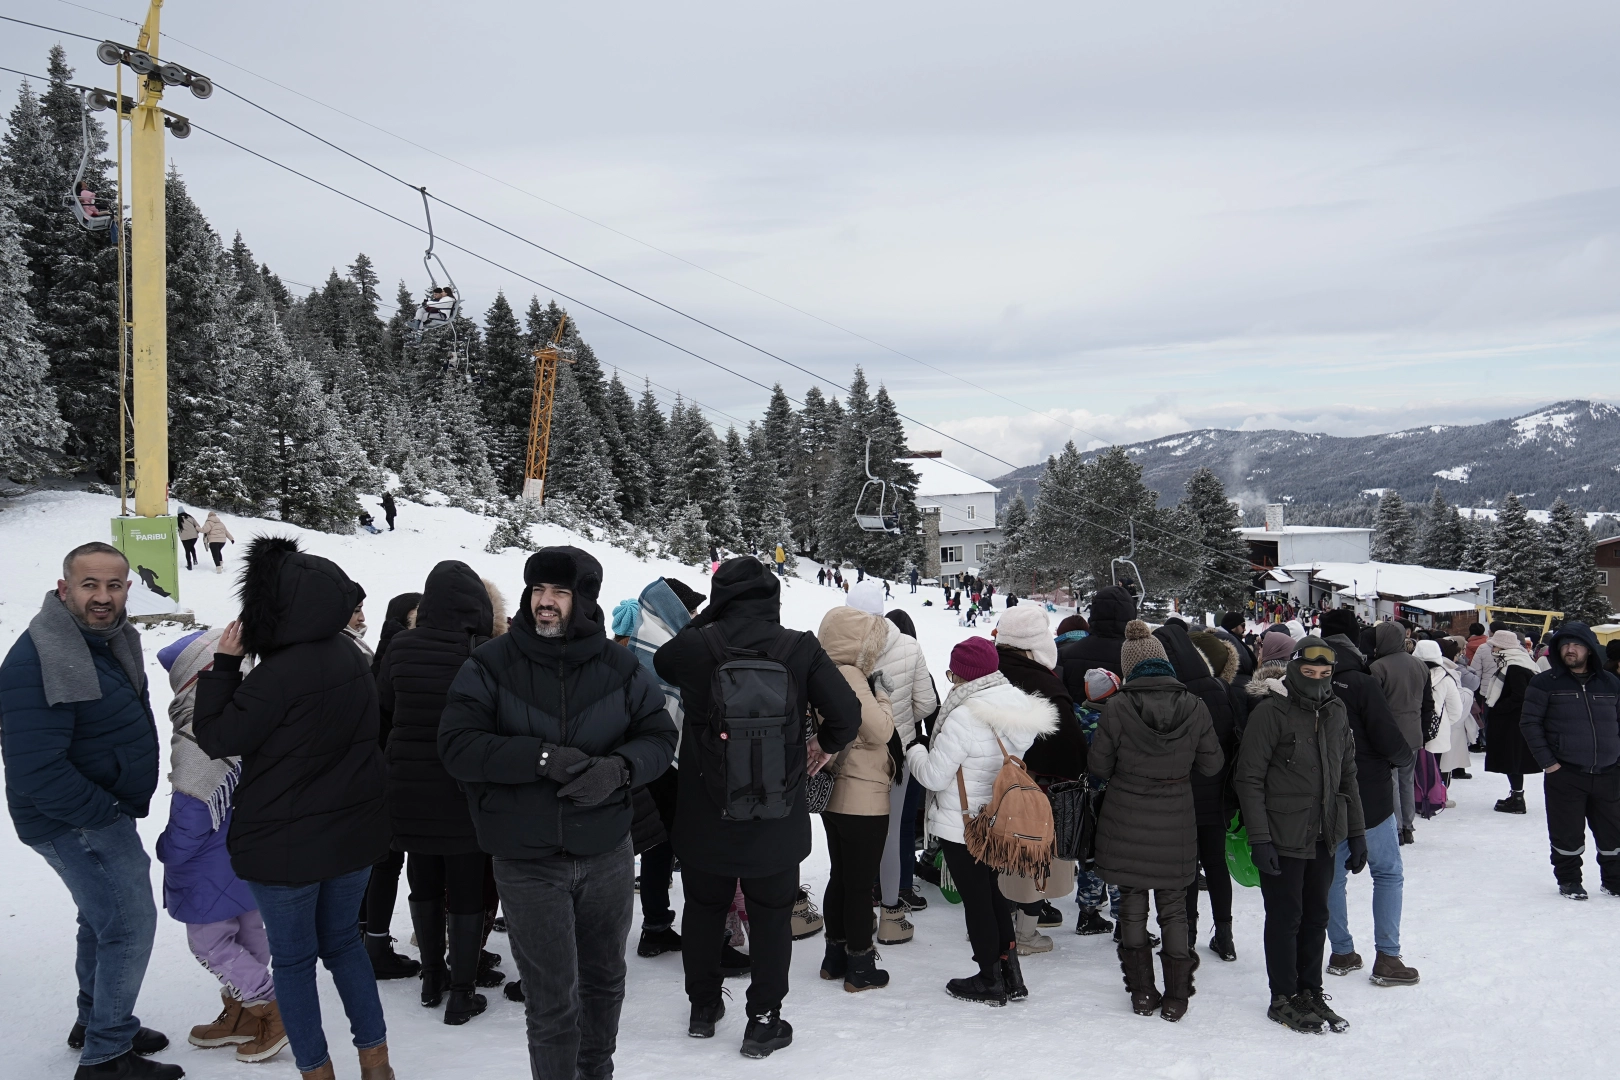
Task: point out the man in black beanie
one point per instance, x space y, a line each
548 728
717 847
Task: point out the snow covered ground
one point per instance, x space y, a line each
1516 982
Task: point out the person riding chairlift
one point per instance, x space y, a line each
435 310
87 199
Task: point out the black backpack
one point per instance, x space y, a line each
752 746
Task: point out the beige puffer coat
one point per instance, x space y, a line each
905 676
863 771
214 530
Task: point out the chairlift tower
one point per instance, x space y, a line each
545 396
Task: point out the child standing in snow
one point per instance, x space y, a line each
222 920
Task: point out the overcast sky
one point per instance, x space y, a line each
1130 219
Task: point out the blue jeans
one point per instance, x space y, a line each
306 921
1384 863
109 876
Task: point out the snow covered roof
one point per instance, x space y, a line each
1398 580
1259 532
1439 605
936 477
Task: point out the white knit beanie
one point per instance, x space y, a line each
866 596
1026 627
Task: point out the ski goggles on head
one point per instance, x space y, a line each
1315 654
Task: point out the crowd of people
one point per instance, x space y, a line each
514 764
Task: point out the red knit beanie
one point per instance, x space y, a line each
974 658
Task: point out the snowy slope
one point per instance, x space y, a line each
1514 978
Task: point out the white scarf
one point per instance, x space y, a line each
1508 658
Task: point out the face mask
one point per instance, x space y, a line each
1311 691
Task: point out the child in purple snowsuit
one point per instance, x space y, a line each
222 920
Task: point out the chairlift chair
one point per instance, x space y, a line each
98 222
460 351
877 508
1128 559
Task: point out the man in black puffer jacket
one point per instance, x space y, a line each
717 852
548 727
1571 723
1381 750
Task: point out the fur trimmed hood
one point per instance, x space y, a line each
1220 654
290 596
1002 707
1268 679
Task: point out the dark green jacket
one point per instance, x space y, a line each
1290 796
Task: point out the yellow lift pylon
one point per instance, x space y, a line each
545 396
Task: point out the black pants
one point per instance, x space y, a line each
988 913
215 549
1296 921
382 891
1133 911
854 849
191 551
657 864
1516 781
390 518
457 879
1212 857
770 934
1576 801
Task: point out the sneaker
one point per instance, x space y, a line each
1407 837
231 1027
1343 963
1049 916
146 1040
1090 922
658 942
1513 804
913 899
734 964
894 928
1573 890
766 1034
1319 1006
1296 1014
129 1066
1389 971
807 921
704 1018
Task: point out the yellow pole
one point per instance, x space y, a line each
148 272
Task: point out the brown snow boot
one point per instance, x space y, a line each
1389 971
322 1072
1178 985
231 1027
374 1063
1137 964
269 1036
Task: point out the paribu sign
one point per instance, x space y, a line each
151 545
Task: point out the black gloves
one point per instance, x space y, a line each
1357 862
556 762
595 779
1265 858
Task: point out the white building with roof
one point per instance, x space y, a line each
966 509
1378 590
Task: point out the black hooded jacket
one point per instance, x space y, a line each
1381 748
1111 609
309 805
427 808
1569 720
1228 709
1062 754
522 691
746 604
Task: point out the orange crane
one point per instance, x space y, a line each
545 395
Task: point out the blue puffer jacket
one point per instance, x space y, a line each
77 765
199 885
1569 722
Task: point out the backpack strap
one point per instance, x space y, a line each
961 784
715 641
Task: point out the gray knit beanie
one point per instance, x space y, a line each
1140 644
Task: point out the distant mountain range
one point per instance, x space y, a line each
1570 449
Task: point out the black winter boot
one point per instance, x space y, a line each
1222 944
1178 985
129 1066
1137 964
1012 977
465 1003
765 1034
703 1020
1513 804
489 975
146 1041
428 921
986 988
1091 922
657 942
863 972
1296 1014
836 963
385 962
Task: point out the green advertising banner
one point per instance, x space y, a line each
153 550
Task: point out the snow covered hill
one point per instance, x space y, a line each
1570 449
1515 981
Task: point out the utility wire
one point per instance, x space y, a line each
52 29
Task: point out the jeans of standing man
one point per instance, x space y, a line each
1406 791
1384 864
1172 907
1576 800
1296 921
237 953
304 922
1212 857
657 866
109 876
217 549
854 848
191 551
896 853
566 919
987 912
770 902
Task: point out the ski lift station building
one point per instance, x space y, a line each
964 509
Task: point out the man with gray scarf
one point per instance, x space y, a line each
81 763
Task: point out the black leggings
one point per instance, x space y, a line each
191 551
1212 857
382 891
854 848
1516 781
219 560
457 880
987 912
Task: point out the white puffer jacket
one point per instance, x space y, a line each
905 675
973 715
